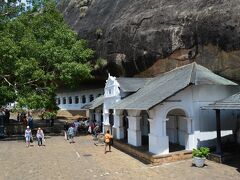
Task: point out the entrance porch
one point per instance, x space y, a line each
150 141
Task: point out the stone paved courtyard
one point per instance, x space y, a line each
84 160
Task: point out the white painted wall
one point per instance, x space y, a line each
201 123
73 94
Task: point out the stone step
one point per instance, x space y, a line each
150 158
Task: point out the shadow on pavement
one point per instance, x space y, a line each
235 162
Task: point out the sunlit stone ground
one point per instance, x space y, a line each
84 160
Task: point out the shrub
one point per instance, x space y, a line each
202 152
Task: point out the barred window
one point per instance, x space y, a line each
91 98
83 99
64 100
69 100
58 100
76 99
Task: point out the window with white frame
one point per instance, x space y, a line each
70 100
91 98
83 99
64 100
58 101
76 99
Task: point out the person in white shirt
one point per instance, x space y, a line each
28 136
40 136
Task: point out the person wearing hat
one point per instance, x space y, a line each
28 135
40 136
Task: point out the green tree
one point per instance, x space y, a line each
39 51
10 9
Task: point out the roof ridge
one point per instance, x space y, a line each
179 67
193 73
122 77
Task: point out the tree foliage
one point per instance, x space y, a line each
10 9
38 51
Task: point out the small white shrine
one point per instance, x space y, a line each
164 113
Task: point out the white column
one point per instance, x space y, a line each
121 128
106 124
158 141
91 115
118 126
189 139
134 132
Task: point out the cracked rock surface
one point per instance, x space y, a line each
148 37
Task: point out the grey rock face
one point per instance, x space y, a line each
133 35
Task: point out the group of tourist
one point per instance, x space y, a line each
71 130
29 136
25 119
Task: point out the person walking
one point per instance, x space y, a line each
107 139
18 117
76 125
71 134
30 121
96 131
65 128
40 136
28 136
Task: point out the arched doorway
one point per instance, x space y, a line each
145 128
125 125
177 130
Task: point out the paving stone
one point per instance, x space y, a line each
83 160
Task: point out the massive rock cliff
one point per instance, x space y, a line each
148 37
